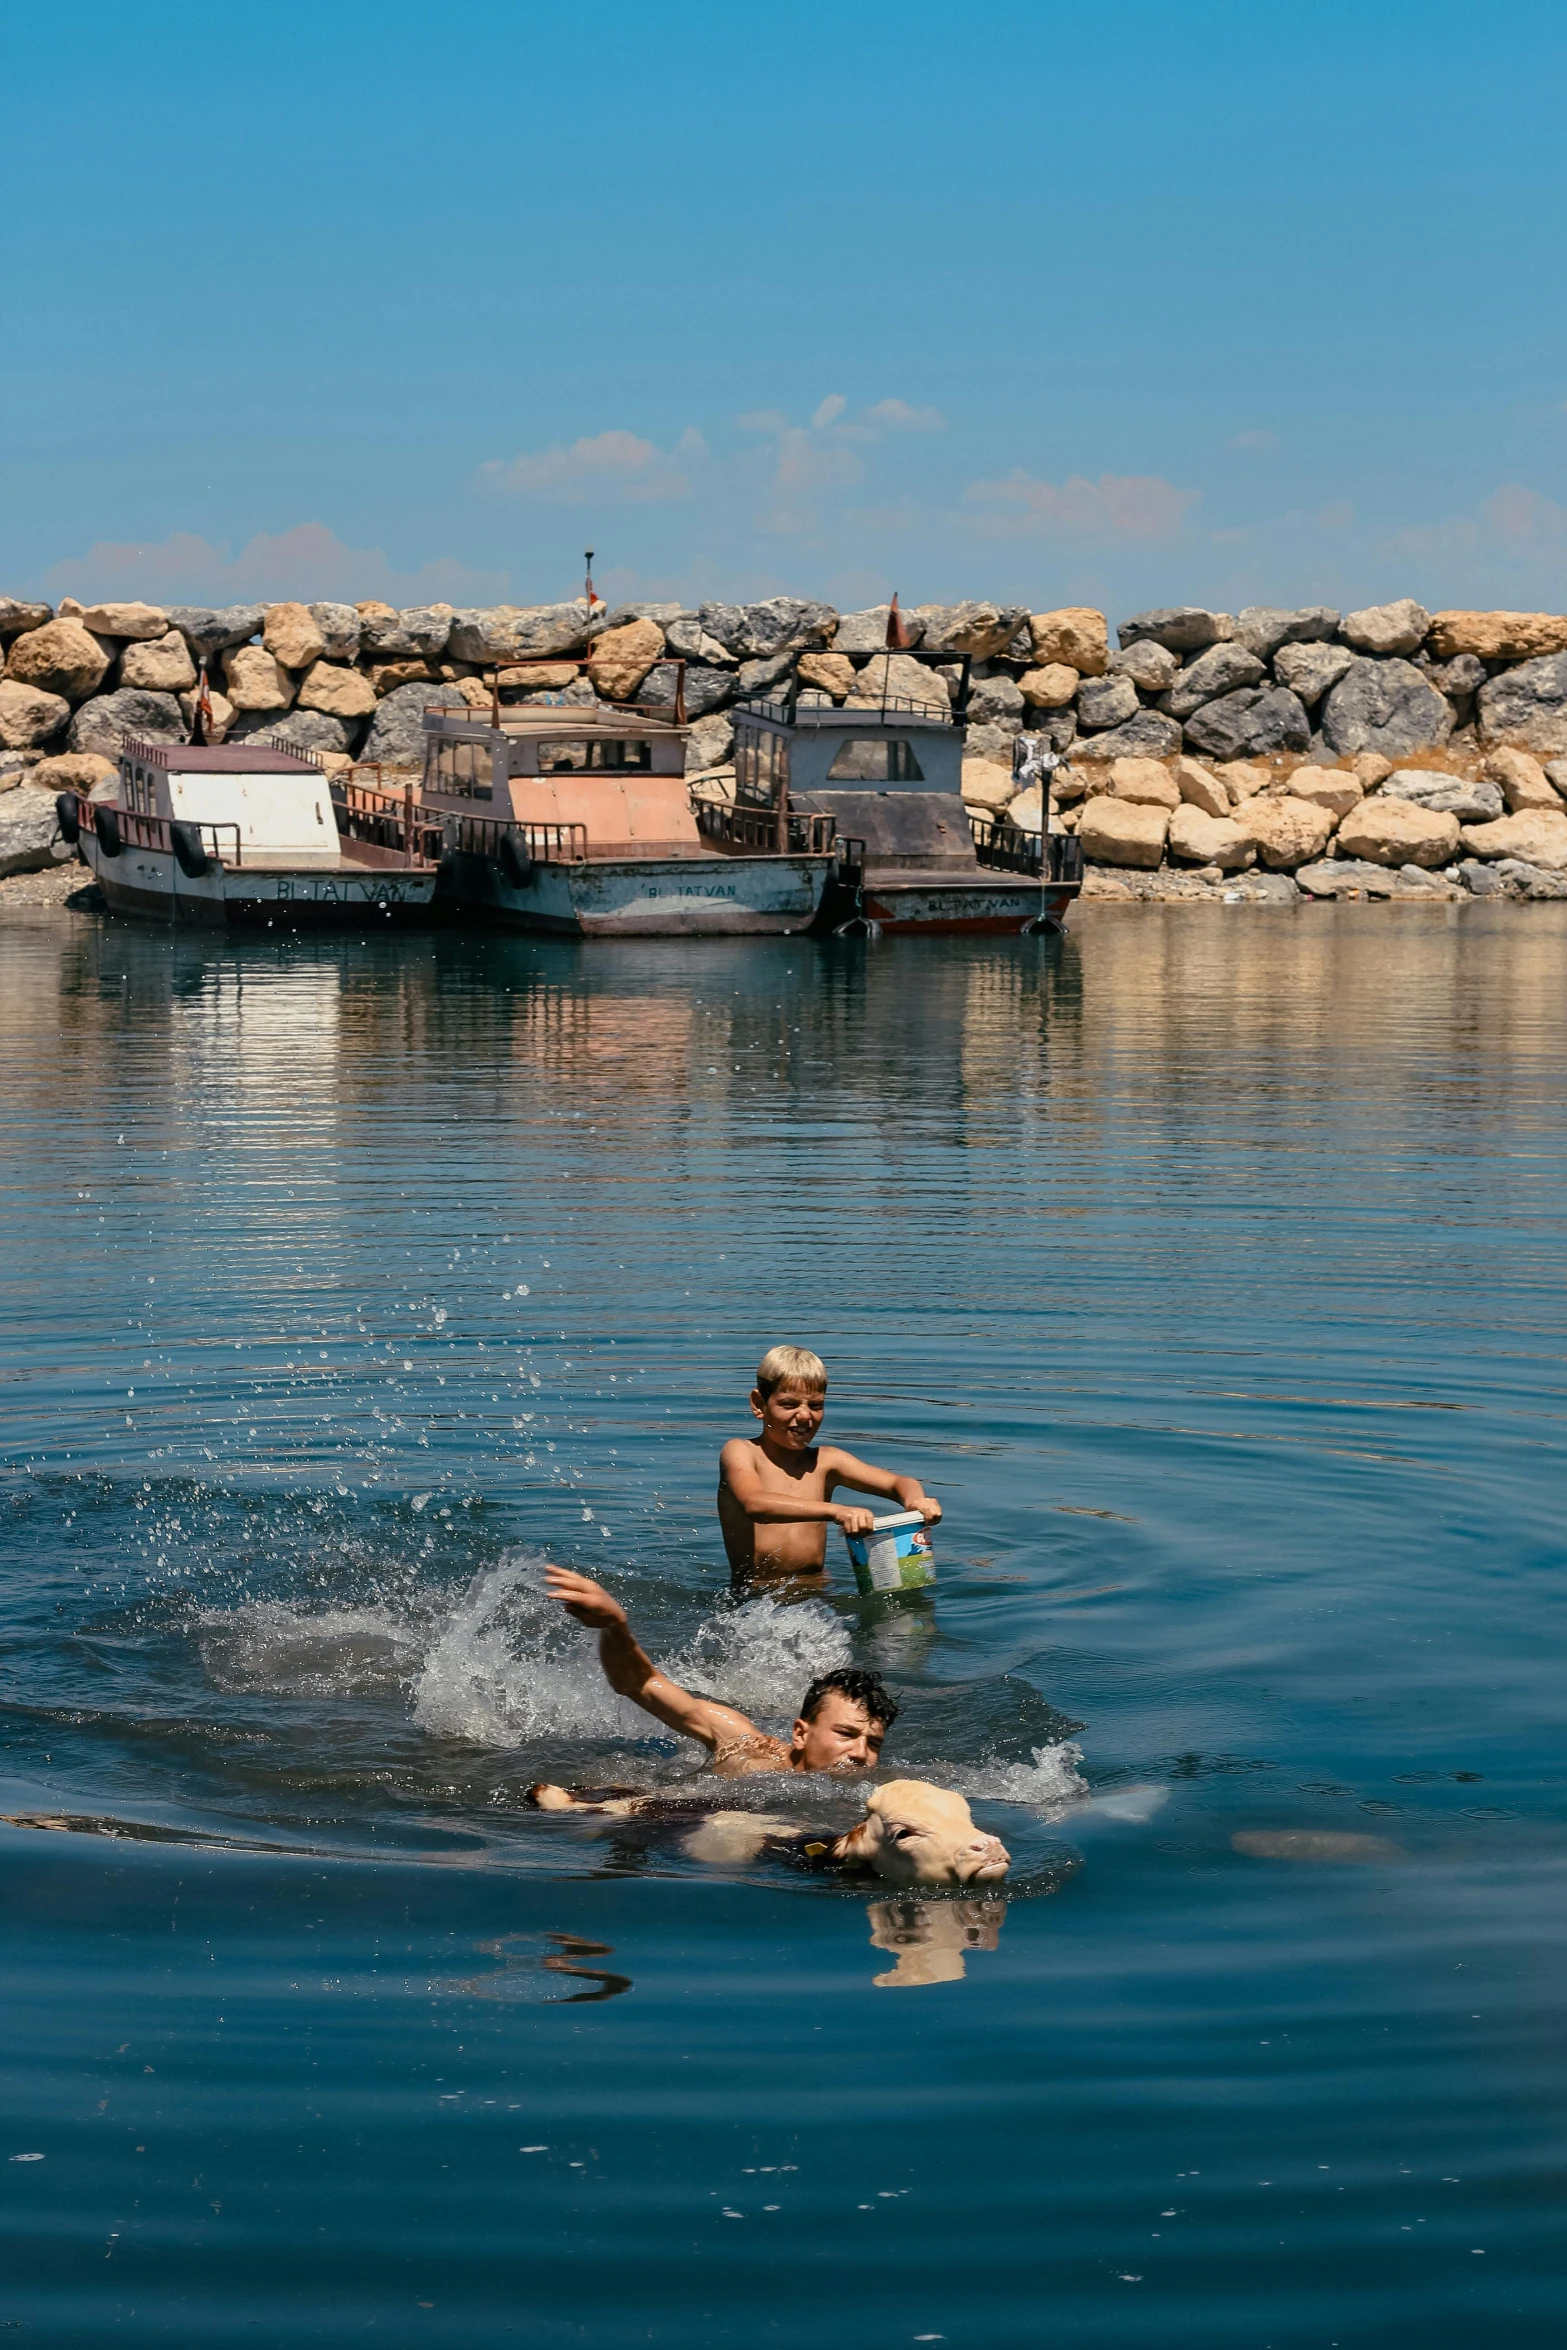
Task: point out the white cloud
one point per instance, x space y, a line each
829 411
607 467
309 562
898 416
1116 506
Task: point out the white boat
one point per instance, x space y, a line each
579 821
251 832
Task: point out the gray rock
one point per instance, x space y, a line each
710 743
1250 724
29 833
1482 880
783 624
17 615
209 633
1450 795
100 724
759 677
339 624
1150 735
1346 877
428 628
1057 727
1105 701
1464 675
1387 706
686 636
992 740
706 689
1220 670
866 632
1151 667
1311 670
513 632
624 614
1183 628
396 734
1525 881
1261 889
1556 775
980 630
1386 628
725 624
302 730
1527 706
1262 628
995 697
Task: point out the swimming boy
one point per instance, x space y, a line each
843 1717
775 1489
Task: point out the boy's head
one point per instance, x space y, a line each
790 1396
844 1716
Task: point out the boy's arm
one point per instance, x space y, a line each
631 1672
843 1469
765 1505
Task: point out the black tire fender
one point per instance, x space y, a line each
106 824
69 821
193 858
514 860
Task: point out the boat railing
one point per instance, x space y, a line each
158 833
899 707
535 844
385 815
1010 848
764 831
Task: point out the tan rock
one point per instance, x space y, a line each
1537 835
1147 783
254 680
1332 788
1200 839
1243 778
986 785
387 676
1076 636
222 712
143 621
1288 832
1399 832
81 771
59 658
292 634
29 716
1049 688
1370 769
1498 636
162 664
474 692
1121 832
1199 789
896 678
1524 781
834 673
1027 810
533 677
69 609
340 692
621 658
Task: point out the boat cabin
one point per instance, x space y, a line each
614 777
264 802
807 744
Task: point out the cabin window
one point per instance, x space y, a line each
599 758
462 770
875 761
761 766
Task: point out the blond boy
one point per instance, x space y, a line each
775 1488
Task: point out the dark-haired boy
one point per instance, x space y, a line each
843 1717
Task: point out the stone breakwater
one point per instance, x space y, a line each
1265 754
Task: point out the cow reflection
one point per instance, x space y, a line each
521 1963
932 1939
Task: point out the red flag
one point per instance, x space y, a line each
201 725
591 596
897 641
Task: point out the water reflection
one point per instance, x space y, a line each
521 1962
932 1939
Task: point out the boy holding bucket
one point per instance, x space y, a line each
775 1489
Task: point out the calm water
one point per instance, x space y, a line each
1208 1264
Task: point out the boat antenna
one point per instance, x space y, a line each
201 716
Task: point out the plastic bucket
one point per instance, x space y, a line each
895 1556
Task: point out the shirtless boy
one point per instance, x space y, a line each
775 1489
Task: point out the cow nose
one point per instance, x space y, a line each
986 1857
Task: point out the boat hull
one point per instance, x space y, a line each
149 883
644 897
990 905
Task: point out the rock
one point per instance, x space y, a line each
1261 889
292 636
1075 636
1460 679
1398 832
1150 735
1484 880
987 784
1311 670
710 743
1251 723
396 735
209 633
70 609
1145 782
222 713
1498 636
101 725
1450 795
894 677
1526 706
757 679
1182 628
1241 778
866 632
1220 670
1538 835
1387 628
1026 809
1202 839
1057 729
994 740
1262 629
995 697
1385 706
300 729
1123 832
339 627
1370 768
1106 701
18 615
162 665
29 716
142 621
1555 776
706 689
254 680
83 771
382 635
828 671
342 693
29 834
983 630
622 657
1346 877
428 628
386 676
1049 688
1530 881
514 632
784 624
686 636
1288 832
1326 787
59 658
1150 666
1415 882
624 613
1199 789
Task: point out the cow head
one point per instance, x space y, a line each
916 1834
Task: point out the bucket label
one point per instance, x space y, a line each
893 1558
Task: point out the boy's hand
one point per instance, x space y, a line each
931 1508
854 1517
588 1601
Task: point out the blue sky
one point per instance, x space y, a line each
1216 303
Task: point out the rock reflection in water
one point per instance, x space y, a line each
932 1939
